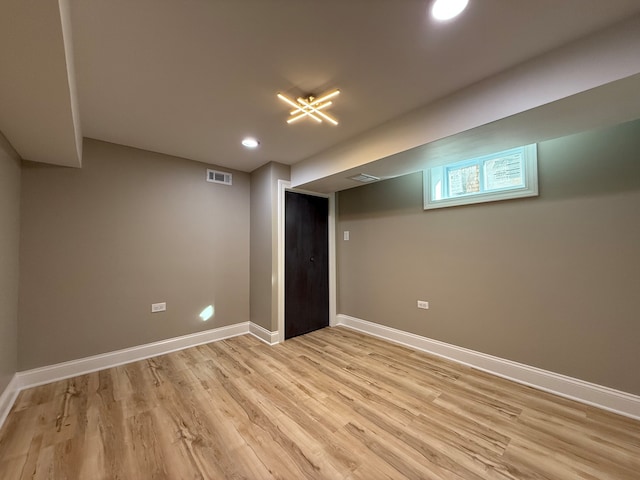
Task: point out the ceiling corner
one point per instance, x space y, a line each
39 114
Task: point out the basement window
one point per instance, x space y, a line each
499 176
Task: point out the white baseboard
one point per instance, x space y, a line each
7 398
585 392
60 371
263 334
589 393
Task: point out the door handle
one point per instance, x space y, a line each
312 259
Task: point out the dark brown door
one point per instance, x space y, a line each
306 267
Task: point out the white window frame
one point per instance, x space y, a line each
436 183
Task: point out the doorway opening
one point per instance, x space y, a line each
328 309
306 263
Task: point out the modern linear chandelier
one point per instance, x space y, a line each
310 107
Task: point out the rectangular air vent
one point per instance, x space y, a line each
364 178
215 176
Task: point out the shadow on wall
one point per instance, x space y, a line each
388 197
598 162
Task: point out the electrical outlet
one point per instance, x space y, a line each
422 304
158 307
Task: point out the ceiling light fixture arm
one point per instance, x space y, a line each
310 107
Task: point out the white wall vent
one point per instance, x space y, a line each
215 176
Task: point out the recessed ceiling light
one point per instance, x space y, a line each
447 9
250 142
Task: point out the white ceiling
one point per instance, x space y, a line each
38 105
192 77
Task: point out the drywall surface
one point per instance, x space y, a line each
131 228
264 243
9 248
261 246
550 281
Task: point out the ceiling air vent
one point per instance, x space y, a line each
215 176
364 178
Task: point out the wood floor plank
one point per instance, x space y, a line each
334 404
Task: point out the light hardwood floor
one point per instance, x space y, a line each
333 404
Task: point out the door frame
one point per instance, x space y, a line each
285 186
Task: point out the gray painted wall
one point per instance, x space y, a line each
101 243
9 254
278 172
261 246
551 281
264 243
